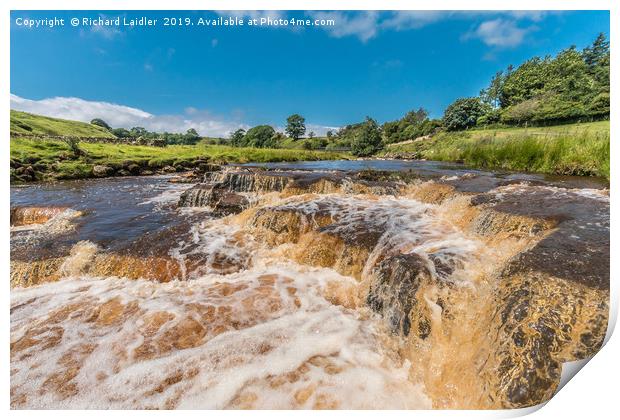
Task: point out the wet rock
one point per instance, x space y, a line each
186 178
224 203
208 167
197 196
101 171
276 225
169 169
27 215
394 294
344 247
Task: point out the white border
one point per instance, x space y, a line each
593 393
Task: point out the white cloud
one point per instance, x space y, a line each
501 33
363 25
206 123
366 25
413 19
320 130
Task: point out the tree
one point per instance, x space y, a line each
414 117
311 135
100 123
121 133
260 136
237 138
597 52
191 136
493 93
367 139
138 132
329 134
295 126
463 113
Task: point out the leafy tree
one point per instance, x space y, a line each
237 138
295 126
463 113
311 135
191 136
138 132
367 140
260 136
414 117
121 133
329 134
100 123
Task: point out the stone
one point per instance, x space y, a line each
101 171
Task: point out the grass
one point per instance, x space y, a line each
56 157
574 149
25 123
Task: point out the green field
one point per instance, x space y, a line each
25 123
573 149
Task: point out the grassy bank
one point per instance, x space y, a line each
575 149
51 159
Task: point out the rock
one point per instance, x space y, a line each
222 201
133 168
169 169
124 172
186 178
208 167
101 171
27 215
225 203
393 293
146 172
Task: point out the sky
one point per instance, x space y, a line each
220 78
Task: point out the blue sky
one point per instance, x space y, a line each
217 79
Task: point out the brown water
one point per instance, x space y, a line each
306 287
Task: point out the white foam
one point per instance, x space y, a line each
364 374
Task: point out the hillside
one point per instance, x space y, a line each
25 123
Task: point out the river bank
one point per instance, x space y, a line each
47 160
572 149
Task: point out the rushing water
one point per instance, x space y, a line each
296 302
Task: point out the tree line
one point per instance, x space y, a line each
142 136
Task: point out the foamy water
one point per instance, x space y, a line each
265 334
268 338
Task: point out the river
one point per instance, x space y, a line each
337 284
